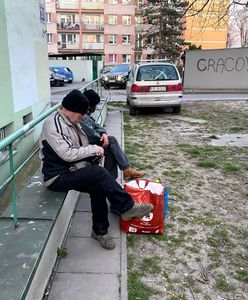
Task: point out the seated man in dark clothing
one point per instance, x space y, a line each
65 152
114 155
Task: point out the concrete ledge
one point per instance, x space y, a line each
49 256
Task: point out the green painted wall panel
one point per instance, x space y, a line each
6 96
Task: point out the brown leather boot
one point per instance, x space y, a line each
131 173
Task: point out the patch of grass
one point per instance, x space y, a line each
242 275
207 164
137 289
219 237
177 174
150 265
117 104
236 129
231 167
183 220
177 240
223 285
194 152
206 220
192 249
61 252
214 255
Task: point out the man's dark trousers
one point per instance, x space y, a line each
114 156
100 184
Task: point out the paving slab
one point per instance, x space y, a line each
85 255
70 286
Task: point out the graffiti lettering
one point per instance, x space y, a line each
222 65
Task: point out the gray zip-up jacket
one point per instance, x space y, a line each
63 146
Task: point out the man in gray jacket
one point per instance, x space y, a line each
114 155
70 163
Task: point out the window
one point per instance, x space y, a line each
49 38
126 1
27 118
112 58
126 58
112 1
71 38
93 38
112 19
138 58
138 41
126 20
4 132
126 39
159 72
48 17
139 20
112 39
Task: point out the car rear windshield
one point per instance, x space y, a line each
120 68
157 72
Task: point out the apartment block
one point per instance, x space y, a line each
207 25
109 27
114 28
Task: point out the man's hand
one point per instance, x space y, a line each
105 140
101 151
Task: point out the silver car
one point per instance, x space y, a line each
154 84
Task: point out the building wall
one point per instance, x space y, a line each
6 94
24 78
203 29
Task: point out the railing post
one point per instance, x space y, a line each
13 184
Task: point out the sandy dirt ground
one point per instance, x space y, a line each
202 156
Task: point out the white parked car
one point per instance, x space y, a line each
154 84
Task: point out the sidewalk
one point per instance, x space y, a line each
88 271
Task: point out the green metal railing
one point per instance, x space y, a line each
7 143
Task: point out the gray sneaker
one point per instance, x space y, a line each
106 241
139 210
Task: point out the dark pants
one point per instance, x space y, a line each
99 183
114 156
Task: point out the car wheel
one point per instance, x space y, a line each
176 109
61 83
132 110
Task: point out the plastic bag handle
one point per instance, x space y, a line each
146 183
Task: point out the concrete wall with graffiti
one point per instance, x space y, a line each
213 71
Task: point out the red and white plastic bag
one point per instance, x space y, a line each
146 191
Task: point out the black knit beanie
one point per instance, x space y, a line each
75 101
92 97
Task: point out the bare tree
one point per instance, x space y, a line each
203 10
238 29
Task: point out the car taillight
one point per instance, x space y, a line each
174 87
139 88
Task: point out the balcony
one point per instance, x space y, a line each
68 46
93 46
94 26
92 6
68 26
